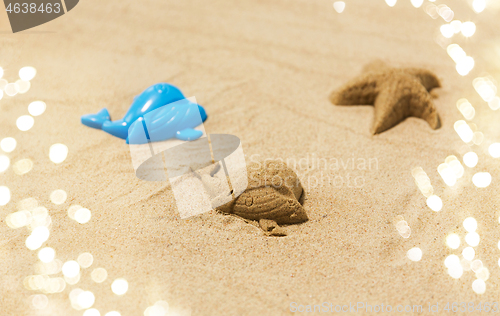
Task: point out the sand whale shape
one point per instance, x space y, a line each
271 198
162 108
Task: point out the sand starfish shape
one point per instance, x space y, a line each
395 93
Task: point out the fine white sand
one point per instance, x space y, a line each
263 70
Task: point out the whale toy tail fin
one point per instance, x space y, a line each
96 120
118 128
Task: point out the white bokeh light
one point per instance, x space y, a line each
435 203
25 122
483 274
39 301
479 286
4 163
468 28
451 260
456 166
99 275
453 241
58 153
472 239
85 260
471 159
447 174
91 312
339 6
58 196
468 253
486 88
391 3
23 86
72 211
414 254
71 269
83 215
447 30
456 52
18 219
445 12
119 286
23 166
417 3
27 73
478 138
72 280
494 103
38 236
37 108
478 5
464 131
4 195
466 108
73 297
456 24
465 65
160 308
456 271
8 144
470 224
3 84
494 150
46 254
481 179
11 89
86 299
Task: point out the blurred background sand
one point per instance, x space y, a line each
263 70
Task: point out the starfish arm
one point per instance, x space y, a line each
422 106
399 98
388 110
426 77
360 91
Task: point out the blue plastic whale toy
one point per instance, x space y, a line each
159 118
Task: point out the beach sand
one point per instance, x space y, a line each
263 70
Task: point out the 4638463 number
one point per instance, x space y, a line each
33 8
469 307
